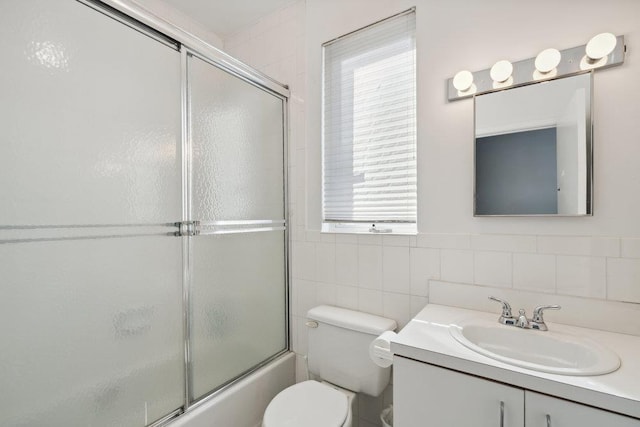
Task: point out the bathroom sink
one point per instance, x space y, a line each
550 351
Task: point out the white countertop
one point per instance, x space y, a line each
427 339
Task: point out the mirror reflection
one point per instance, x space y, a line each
533 149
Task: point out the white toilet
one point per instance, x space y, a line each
338 354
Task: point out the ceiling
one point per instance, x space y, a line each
225 17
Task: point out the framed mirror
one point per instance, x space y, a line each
533 150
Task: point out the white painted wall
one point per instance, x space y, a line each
459 34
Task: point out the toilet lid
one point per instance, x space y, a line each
308 404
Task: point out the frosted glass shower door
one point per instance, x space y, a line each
91 280
238 288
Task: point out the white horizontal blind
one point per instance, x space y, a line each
369 124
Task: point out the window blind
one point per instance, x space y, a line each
369 124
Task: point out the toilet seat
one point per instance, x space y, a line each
309 404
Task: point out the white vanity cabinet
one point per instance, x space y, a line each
562 413
429 396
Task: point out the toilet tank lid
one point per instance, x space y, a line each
353 320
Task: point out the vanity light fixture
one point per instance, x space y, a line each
463 80
547 60
603 51
600 46
501 71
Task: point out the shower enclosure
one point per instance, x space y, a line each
143 242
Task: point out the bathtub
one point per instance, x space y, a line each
242 404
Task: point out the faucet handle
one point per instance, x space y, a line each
538 312
506 308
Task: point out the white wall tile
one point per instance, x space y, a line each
326 294
369 239
396 269
456 265
493 269
370 266
347 238
313 236
293 330
397 307
581 276
306 296
604 246
534 272
425 265
326 262
300 190
370 301
444 241
579 245
303 341
347 297
503 242
305 260
346 264
623 279
396 240
300 154
417 304
468 296
328 238
630 248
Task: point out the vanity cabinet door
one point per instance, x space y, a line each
562 413
429 396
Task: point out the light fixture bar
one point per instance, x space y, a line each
573 61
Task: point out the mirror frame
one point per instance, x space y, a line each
589 152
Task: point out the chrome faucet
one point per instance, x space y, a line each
506 318
536 322
522 321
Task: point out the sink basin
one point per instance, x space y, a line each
550 351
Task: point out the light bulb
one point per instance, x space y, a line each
463 80
548 60
601 45
501 71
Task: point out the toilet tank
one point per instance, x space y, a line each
339 348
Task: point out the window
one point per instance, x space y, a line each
369 128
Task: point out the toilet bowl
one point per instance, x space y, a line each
311 404
338 353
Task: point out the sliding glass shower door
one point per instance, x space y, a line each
91 301
142 220
238 268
